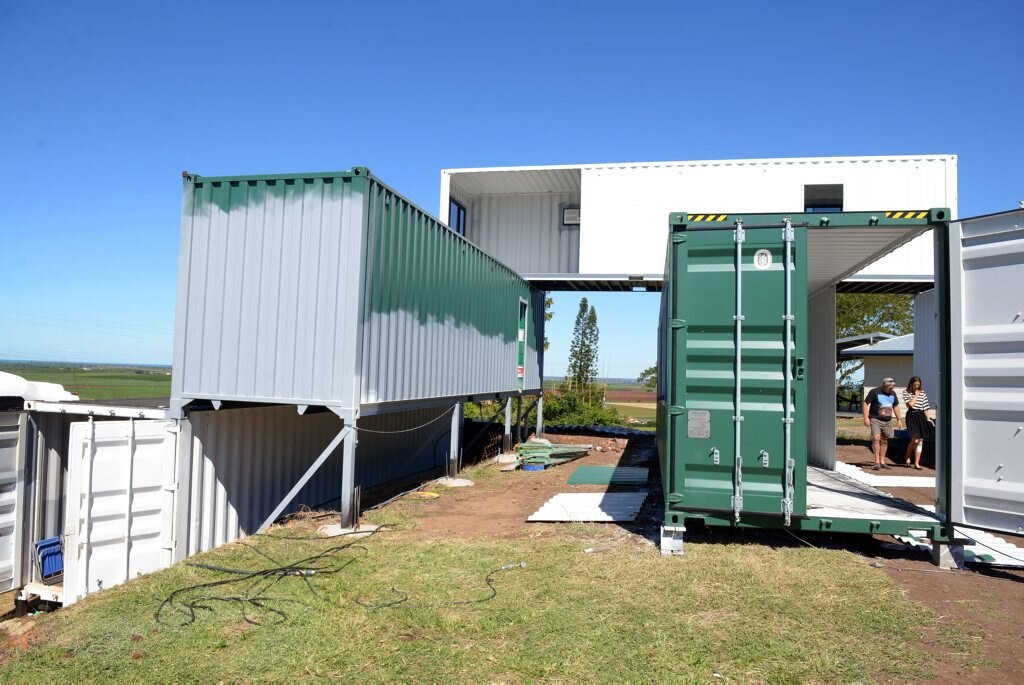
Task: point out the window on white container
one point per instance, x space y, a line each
457 217
823 198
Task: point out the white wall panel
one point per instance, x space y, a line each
526 232
821 375
625 208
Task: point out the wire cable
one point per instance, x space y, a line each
403 599
406 430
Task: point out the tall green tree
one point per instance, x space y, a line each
591 335
582 371
576 373
862 313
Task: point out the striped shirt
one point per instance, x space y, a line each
922 401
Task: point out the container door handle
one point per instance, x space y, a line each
798 368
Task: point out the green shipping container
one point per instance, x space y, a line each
733 363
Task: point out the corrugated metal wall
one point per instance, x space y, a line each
986 333
12 498
926 344
242 462
397 453
440 317
268 287
526 231
821 374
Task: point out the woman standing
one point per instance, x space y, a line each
916 401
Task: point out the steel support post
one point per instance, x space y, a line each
455 451
518 420
540 415
349 515
506 440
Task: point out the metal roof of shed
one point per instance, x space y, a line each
900 346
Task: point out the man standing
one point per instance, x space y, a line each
879 407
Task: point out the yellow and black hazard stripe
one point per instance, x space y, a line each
707 217
912 214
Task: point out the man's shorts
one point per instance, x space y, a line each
881 428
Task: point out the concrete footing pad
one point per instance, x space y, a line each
455 482
335 530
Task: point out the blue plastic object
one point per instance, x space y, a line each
533 467
50 557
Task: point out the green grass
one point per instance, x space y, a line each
631 409
852 429
98 382
745 612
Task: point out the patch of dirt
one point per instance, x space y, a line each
979 632
498 506
978 611
19 635
860 454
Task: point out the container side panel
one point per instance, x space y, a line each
268 289
988 392
12 498
926 343
405 445
244 461
526 231
624 208
440 317
821 391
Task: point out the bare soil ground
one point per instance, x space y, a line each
981 612
974 606
498 505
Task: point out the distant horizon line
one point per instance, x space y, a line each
80 362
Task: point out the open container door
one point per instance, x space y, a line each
12 498
119 522
985 488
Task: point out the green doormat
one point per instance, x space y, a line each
609 475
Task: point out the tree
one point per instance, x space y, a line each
649 378
861 313
582 371
548 315
591 335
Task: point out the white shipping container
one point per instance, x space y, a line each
516 214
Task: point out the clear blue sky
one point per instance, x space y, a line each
105 104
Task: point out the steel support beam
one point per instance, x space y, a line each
540 415
349 500
506 441
343 435
455 451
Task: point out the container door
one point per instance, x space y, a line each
120 505
728 430
986 415
13 440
